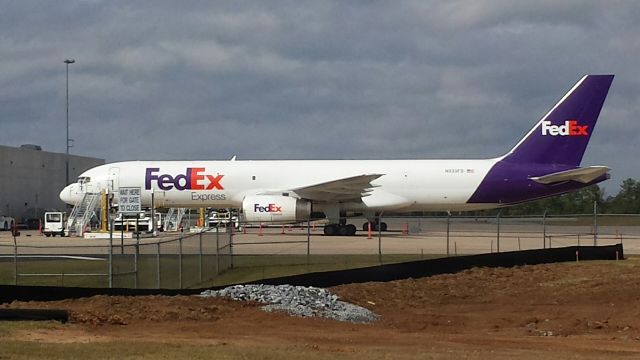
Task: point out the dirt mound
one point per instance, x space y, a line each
588 310
123 310
548 300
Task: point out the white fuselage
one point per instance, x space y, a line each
410 185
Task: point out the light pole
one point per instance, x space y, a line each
67 62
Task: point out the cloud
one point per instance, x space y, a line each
332 79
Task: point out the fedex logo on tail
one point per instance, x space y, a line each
192 179
570 128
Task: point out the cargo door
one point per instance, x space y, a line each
159 199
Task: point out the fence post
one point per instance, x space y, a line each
158 265
595 223
200 256
136 255
380 238
111 255
180 262
122 235
231 245
544 229
448 227
217 252
308 241
621 243
498 233
15 259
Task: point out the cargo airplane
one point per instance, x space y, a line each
544 163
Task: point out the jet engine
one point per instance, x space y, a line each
275 208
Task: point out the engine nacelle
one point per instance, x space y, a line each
275 208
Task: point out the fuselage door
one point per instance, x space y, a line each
159 200
114 180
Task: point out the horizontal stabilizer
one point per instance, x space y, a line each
583 175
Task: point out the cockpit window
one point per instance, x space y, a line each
83 179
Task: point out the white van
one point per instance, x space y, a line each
54 223
6 222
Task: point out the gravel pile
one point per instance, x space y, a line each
298 301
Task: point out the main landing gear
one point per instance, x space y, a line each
374 226
338 222
350 229
340 229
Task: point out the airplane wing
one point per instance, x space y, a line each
583 175
345 189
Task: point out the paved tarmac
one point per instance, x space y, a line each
408 236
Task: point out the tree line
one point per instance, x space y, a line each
627 201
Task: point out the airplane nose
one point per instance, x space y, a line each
70 194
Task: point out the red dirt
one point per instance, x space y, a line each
586 310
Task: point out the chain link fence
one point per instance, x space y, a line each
455 235
189 260
174 261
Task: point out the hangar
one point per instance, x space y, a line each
31 179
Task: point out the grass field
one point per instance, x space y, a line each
17 349
14 349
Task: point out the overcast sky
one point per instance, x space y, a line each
313 79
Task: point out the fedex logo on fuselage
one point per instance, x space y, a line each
192 179
570 128
268 208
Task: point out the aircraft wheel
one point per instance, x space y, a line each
330 229
374 226
344 230
365 226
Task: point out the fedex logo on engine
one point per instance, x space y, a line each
268 208
192 179
570 128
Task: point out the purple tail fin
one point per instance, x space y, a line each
562 135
